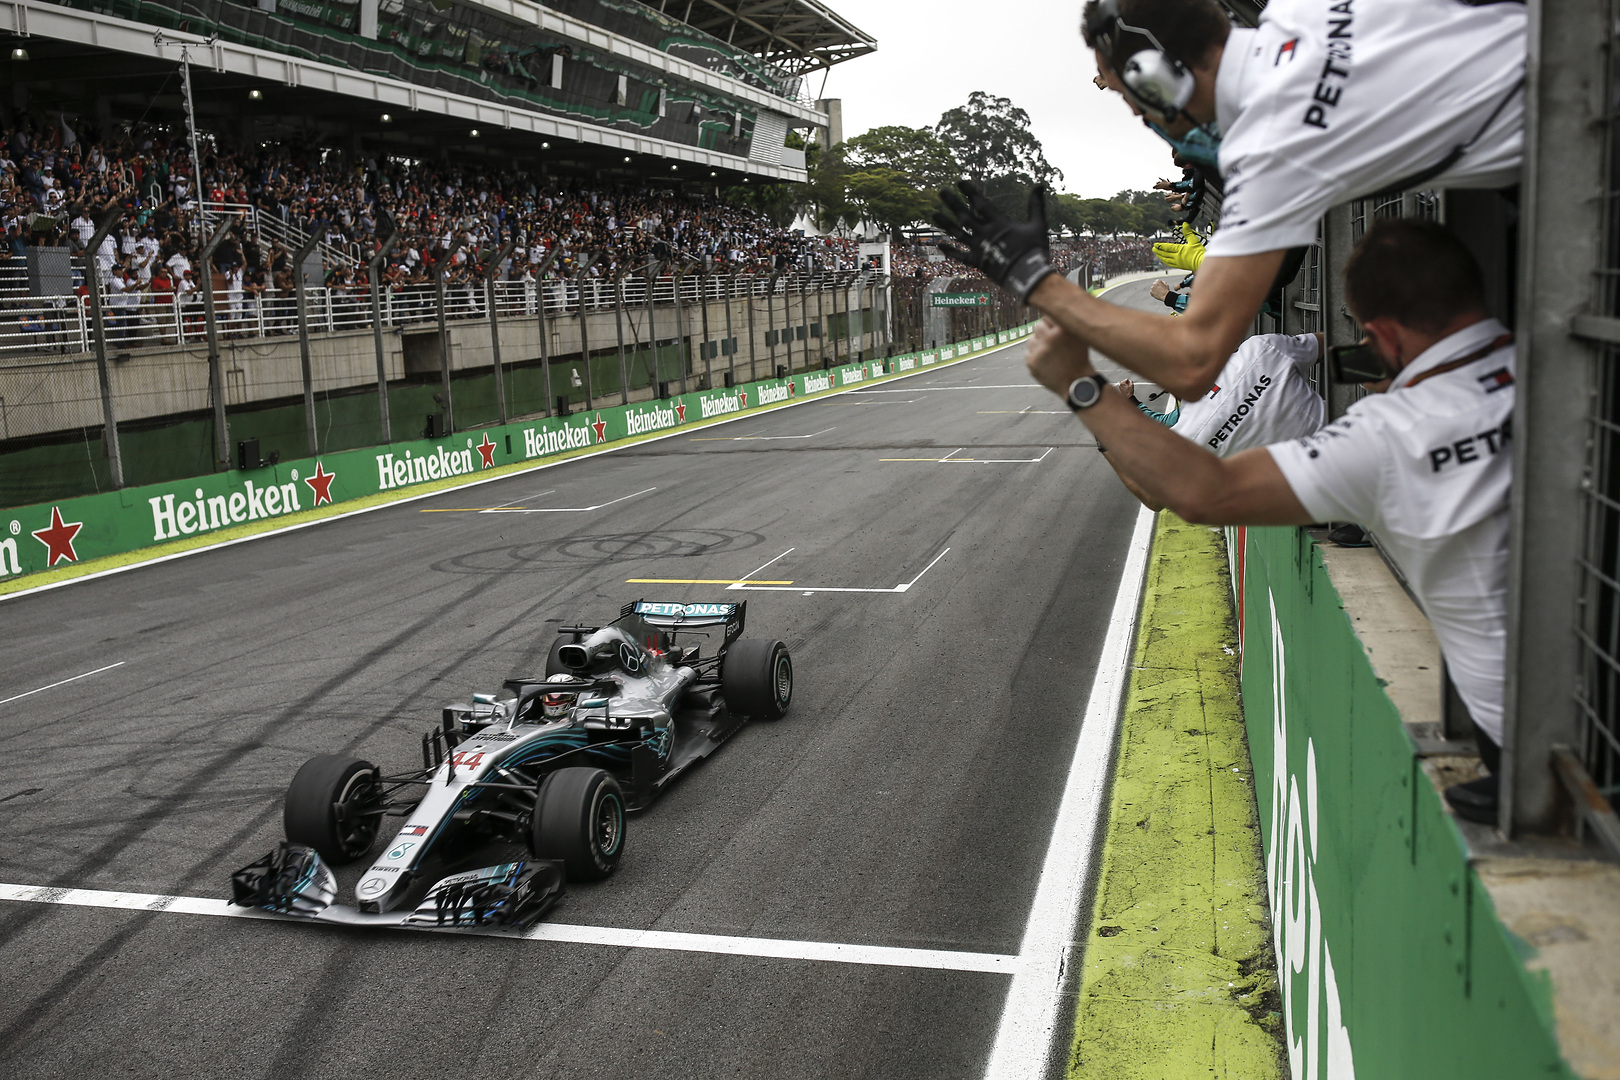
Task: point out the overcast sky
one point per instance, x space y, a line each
933 53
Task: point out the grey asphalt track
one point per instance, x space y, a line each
906 800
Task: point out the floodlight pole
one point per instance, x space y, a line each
92 278
821 320
540 311
439 266
857 342
675 279
752 346
770 317
652 325
300 287
584 330
375 263
731 348
190 111
492 268
216 379
618 328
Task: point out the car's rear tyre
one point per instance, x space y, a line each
756 678
579 818
554 666
323 804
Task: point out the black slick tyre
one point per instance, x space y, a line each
555 666
579 818
756 678
323 804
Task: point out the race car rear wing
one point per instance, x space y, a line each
677 617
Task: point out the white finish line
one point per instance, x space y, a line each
1023 1046
562 509
63 682
565 933
745 586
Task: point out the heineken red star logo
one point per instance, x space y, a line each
742 398
600 427
486 450
58 538
680 412
790 388
321 484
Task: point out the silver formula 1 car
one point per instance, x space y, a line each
552 763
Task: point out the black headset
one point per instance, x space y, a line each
1155 81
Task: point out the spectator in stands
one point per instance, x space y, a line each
1425 464
1443 103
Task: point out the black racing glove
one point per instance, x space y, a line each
1013 254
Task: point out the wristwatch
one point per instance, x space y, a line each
1086 392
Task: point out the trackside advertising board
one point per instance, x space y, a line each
48 535
1391 960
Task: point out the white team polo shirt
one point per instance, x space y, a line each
1427 469
1329 100
1260 397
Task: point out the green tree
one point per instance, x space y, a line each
991 139
916 152
890 198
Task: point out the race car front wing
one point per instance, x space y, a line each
293 880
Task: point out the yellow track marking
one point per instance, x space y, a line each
699 581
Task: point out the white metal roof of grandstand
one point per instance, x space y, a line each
797 35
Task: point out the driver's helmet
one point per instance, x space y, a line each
555 704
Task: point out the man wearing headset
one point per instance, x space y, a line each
1425 463
1325 101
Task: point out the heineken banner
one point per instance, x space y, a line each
48 535
959 299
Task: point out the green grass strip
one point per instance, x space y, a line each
1179 977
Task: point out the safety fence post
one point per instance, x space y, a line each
375 273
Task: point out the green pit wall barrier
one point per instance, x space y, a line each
1391 958
54 534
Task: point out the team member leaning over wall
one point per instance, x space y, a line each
1424 464
1260 397
1436 98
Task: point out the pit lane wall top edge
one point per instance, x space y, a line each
53 535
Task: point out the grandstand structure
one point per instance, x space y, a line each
616 124
694 93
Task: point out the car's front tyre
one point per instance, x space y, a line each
326 804
579 818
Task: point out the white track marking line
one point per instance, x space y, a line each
952 459
930 566
562 933
832 588
768 438
137 561
1023 1048
742 583
64 682
561 509
930 389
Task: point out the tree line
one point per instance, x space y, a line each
889 176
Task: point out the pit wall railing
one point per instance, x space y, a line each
217 505
1392 958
